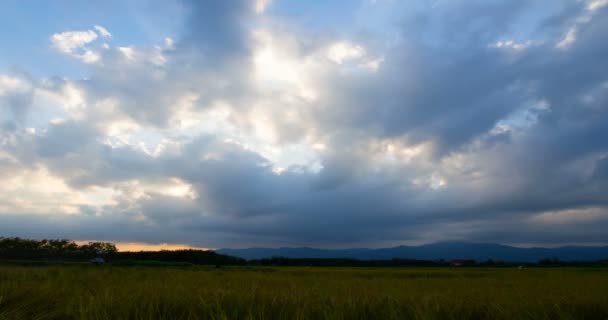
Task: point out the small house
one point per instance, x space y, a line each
458 263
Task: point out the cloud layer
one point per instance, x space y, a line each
418 121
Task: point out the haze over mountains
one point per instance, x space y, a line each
434 251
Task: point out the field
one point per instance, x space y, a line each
106 292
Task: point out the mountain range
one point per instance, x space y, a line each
434 251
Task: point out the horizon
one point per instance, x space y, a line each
139 246
320 124
520 246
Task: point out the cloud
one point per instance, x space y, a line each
103 31
16 94
77 44
596 5
466 120
217 30
74 43
63 138
261 5
68 41
10 85
341 52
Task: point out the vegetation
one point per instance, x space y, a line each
61 249
68 250
77 291
198 257
51 279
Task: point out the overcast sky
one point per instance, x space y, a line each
320 123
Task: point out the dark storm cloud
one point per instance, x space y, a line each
217 29
15 102
521 231
446 82
64 138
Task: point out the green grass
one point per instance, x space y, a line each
88 292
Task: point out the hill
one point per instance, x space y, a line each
434 251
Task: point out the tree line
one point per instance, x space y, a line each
200 257
53 249
69 250
330 262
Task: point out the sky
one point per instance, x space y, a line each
332 124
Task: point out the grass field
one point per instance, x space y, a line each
88 292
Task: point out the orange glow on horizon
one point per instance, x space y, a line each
142 246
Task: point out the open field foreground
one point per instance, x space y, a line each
88 292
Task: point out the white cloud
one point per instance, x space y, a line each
103 31
127 52
279 67
68 97
434 181
90 57
594 5
169 43
10 85
67 42
172 187
373 64
568 39
571 215
512 45
39 191
582 19
74 43
344 53
341 52
261 5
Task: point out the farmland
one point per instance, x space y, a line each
77 291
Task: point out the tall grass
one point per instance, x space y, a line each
88 292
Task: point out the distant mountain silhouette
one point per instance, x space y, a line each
434 251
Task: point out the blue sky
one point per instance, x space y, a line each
318 123
25 27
